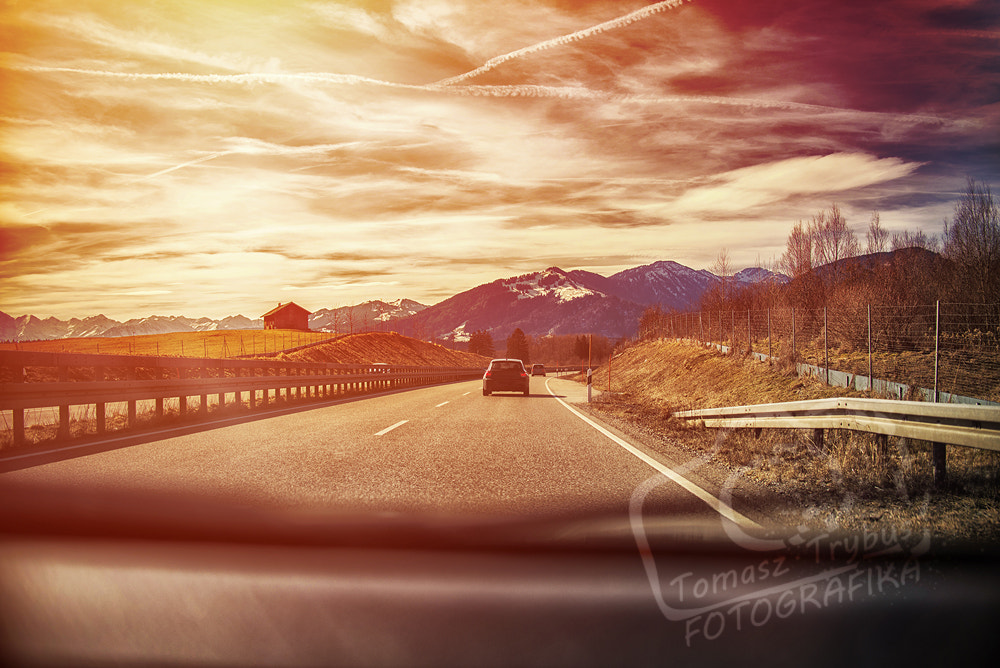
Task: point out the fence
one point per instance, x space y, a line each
948 348
30 380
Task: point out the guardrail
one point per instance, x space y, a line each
39 380
941 424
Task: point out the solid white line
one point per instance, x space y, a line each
441 404
388 429
714 503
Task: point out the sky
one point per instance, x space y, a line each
216 157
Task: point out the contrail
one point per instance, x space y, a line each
621 21
248 78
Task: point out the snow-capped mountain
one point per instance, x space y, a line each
667 283
362 317
31 328
560 302
753 275
553 282
552 301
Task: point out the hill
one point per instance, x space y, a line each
385 348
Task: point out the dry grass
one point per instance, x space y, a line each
214 345
856 480
387 348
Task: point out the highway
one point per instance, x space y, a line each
188 583
442 450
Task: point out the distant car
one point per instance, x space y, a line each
537 369
506 375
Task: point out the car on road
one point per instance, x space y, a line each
506 375
537 369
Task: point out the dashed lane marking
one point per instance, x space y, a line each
388 429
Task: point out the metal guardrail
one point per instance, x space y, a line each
66 379
941 424
953 424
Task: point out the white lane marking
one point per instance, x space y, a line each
388 429
714 503
442 404
467 394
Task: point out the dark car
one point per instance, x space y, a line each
537 369
506 375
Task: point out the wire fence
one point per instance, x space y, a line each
953 348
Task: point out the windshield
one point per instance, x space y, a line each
257 259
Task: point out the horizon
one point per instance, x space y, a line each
207 157
46 316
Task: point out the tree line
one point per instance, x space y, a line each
553 349
829 266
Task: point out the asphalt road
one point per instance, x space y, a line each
444 450
95 599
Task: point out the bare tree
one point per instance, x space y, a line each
972 243
832 239
918 239
877 237
723 268
798 257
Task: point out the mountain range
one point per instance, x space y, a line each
552 301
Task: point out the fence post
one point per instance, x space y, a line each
826 346
749 332
871 379
793 335
937 341
940 452
769 347
732 347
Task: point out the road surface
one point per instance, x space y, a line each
194 591
444 450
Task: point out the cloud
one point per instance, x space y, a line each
742 190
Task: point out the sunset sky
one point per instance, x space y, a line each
215 157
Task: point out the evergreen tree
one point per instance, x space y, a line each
517 347
481 343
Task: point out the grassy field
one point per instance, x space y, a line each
855 481
216 344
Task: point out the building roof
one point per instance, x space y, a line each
282 307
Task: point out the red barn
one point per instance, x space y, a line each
287 316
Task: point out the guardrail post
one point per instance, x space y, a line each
64 410
237 395
181 400
130 375
940 456
18 412
203 407
222 377
818 439
100 407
